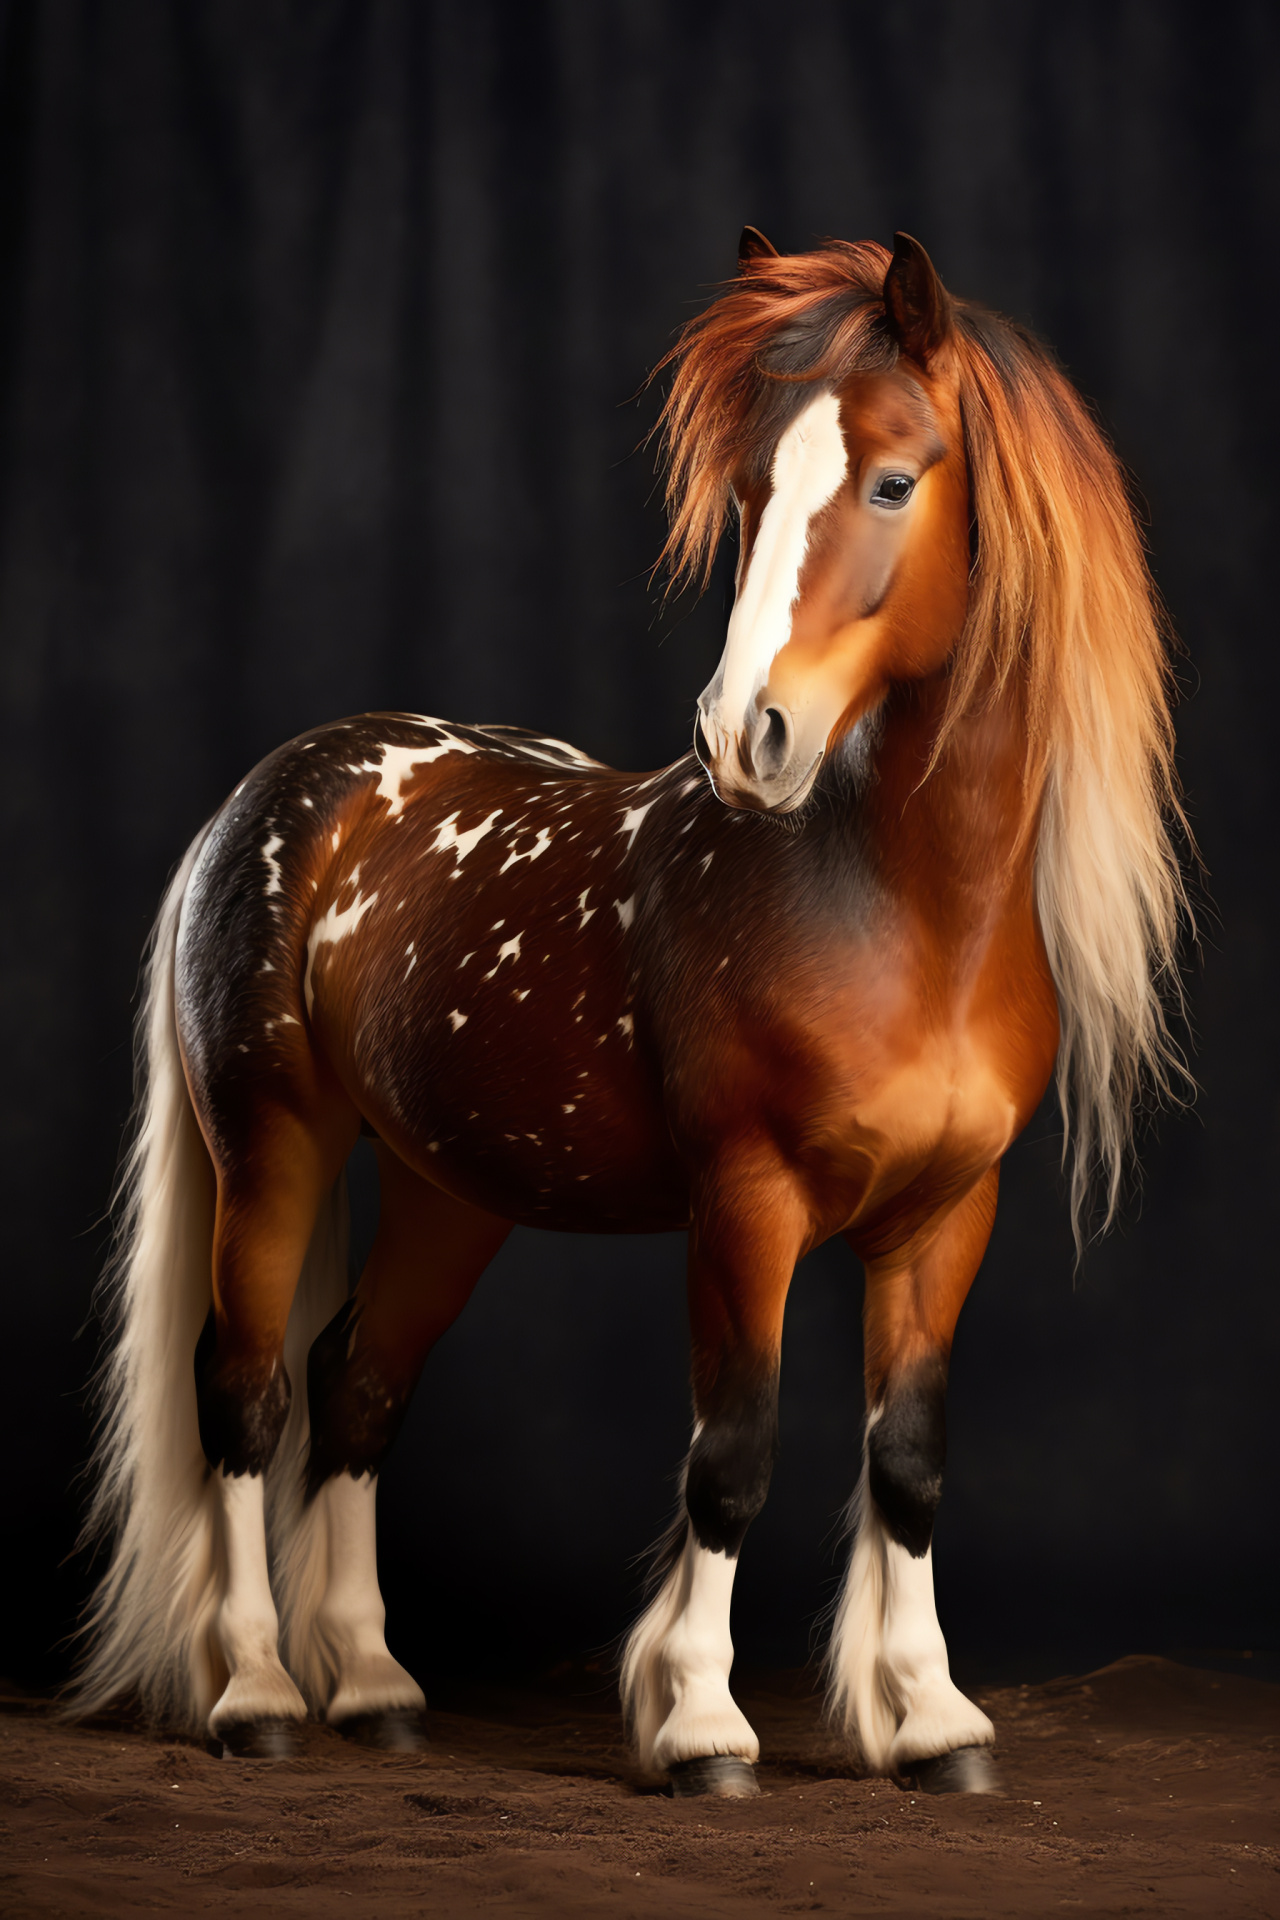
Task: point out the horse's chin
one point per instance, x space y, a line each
785 795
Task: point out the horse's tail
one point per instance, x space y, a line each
148 1632
146 1628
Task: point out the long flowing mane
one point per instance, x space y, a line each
1060 596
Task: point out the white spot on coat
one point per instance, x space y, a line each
398 764
626 911
509 950
269 852
627 1025
632 821
447 836
458 1019
331 927
541 842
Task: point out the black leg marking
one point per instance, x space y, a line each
355 1411
731 1463
241 1409
964 1770
726 1776
906 1453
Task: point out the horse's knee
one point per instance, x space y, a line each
354 1405
907 1451
729 1469
241 1405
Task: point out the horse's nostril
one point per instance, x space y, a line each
773 740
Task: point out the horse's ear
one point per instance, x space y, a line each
752 247
915 301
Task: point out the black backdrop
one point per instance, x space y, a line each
322 329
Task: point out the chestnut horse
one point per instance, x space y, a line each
575 998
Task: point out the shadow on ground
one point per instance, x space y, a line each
1147 1787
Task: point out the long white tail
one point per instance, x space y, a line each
147 1627
149 1630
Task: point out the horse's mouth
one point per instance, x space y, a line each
763 797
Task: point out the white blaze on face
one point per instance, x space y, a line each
808 468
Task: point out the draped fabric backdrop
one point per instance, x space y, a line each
323 328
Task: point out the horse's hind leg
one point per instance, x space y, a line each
428 1254
891 1685
269 1192
675 1679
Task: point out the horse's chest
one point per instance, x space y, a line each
897 1103
941 1117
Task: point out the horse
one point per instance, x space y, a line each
810 980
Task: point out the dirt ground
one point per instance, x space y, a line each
1145 1788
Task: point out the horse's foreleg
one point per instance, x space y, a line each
891 1686
268 1197
428 1254
675 1678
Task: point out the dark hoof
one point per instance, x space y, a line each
393 1730
260 1740
723 1774
964 1770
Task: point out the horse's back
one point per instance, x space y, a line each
437 916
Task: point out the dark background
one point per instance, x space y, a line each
321 330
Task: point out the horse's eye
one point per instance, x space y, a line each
893 491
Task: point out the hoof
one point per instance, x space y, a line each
723 1774
393 1730
260 1740
964 1770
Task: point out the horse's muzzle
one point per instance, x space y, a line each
755 766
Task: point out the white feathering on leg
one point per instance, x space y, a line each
297 1530
857 1700
890 1692
675 1671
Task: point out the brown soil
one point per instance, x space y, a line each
1145 1788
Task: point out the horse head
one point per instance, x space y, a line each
853 502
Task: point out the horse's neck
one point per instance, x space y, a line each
953 841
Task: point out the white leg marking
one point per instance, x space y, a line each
351 1619
259 1688
675 1674
890 1686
